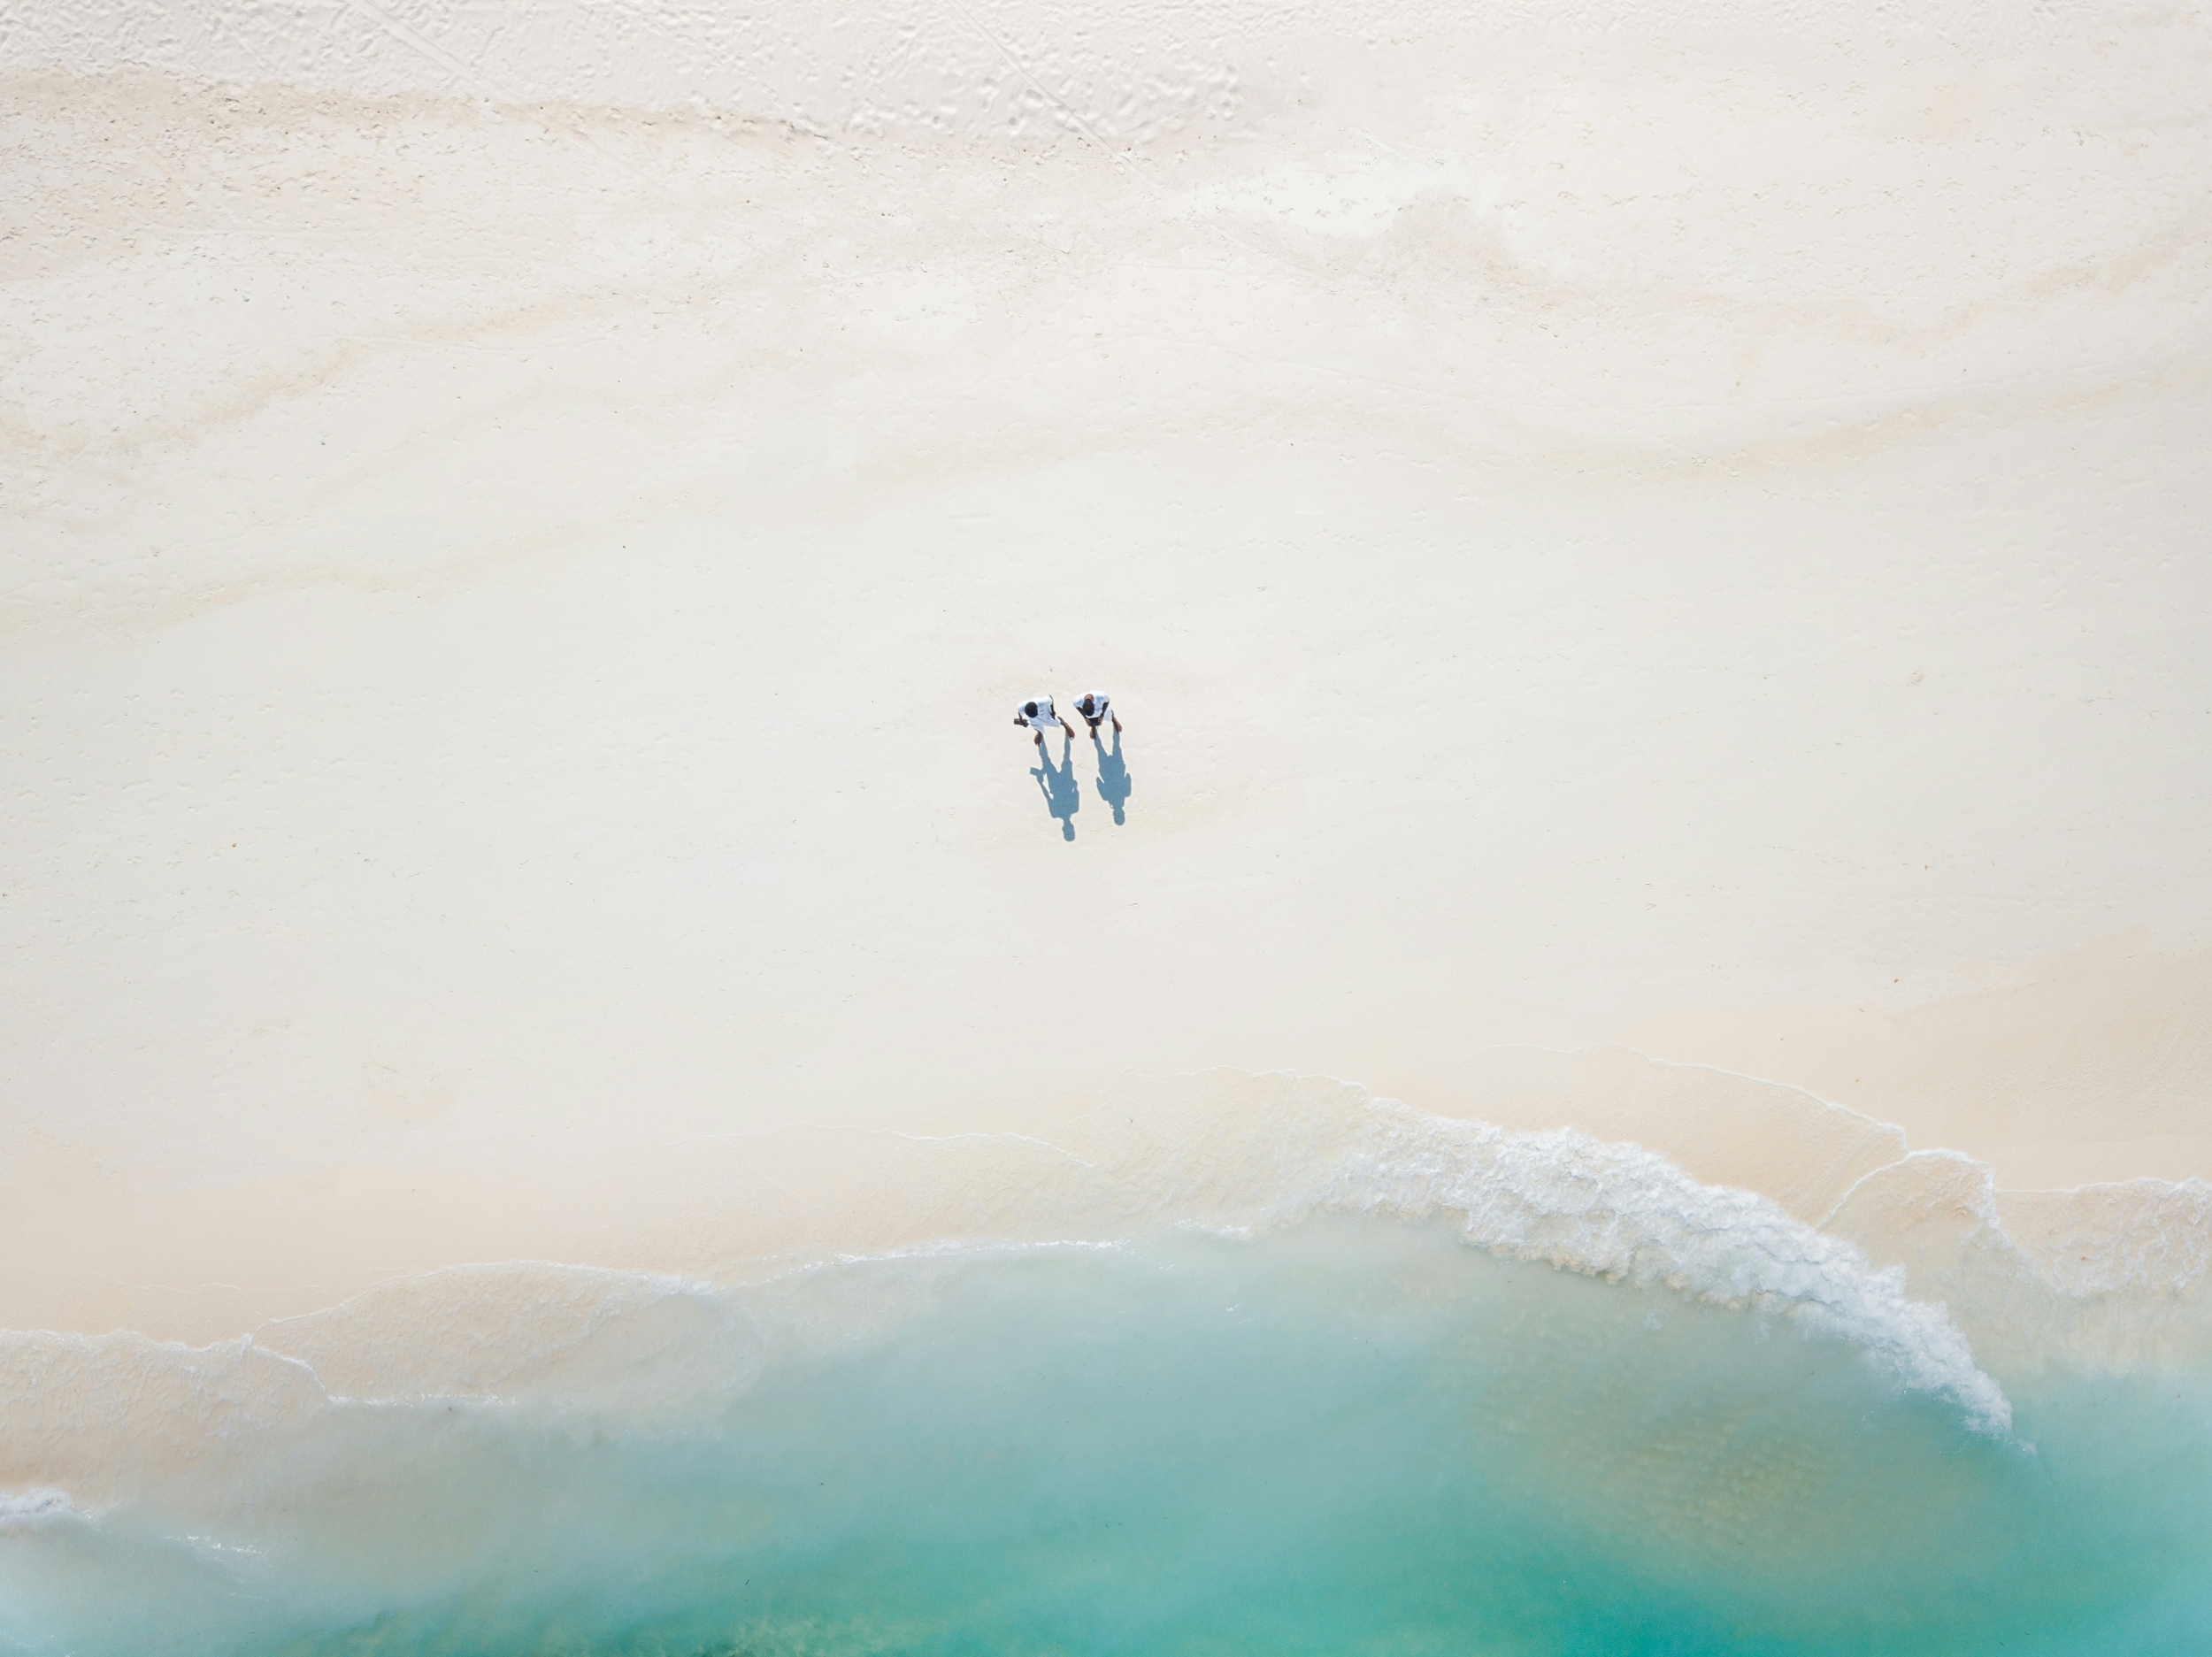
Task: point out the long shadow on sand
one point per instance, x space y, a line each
1063 798
1113 775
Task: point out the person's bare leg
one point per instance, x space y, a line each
1117 719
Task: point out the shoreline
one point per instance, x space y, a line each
94 1249
516 608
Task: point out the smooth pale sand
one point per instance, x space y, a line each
1657 583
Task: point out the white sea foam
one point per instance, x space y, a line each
37 1506
1620 1212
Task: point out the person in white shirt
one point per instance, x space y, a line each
1039 717
1096 711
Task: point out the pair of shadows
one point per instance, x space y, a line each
1064 797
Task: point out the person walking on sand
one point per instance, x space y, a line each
1039 717
1096 711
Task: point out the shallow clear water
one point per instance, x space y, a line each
1353 1435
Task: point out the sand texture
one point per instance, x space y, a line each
1656 578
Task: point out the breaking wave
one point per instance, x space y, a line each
1291 1306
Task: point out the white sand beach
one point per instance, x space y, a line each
1655 571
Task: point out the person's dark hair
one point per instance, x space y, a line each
1030 707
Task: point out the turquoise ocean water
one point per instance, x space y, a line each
1352 1434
